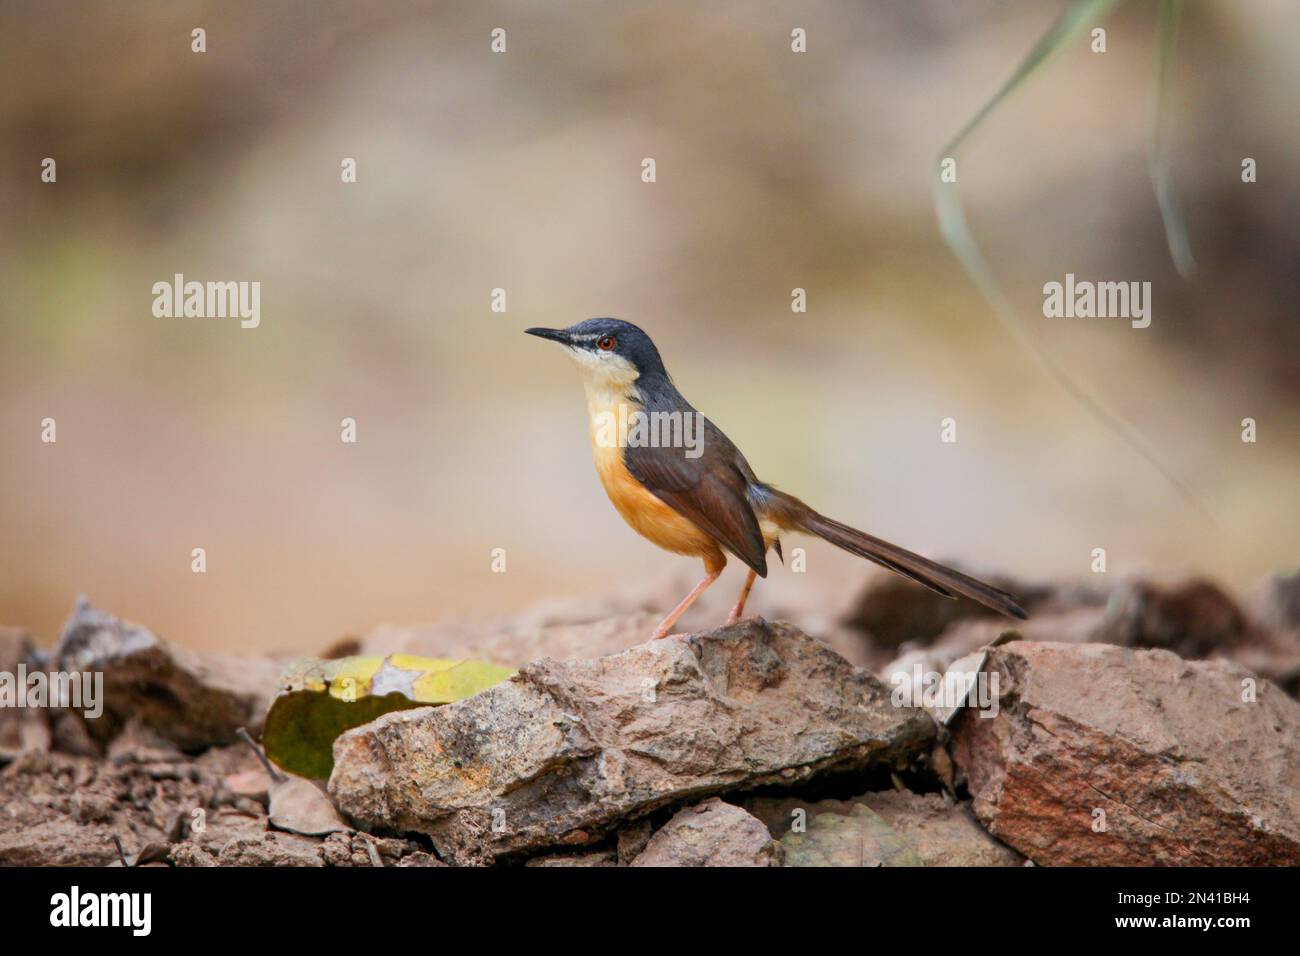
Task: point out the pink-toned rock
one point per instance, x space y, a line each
1102 755
711 833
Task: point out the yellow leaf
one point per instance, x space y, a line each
319 700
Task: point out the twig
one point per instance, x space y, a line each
275 775
117 842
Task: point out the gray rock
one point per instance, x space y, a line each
22 729
194 700
213 831
189 854
711 833
632 840
888 828
1192 617
1279 605
420 858
564 752
894 611
340 849
60 842
567 860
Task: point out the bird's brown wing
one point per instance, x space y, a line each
708 490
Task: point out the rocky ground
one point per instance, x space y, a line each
1148 723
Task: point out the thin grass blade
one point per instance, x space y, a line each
1171 212
956 233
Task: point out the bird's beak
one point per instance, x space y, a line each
555 335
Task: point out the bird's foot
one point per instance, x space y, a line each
736 614
738 609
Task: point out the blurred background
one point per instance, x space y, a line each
522 171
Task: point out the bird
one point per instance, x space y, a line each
678 481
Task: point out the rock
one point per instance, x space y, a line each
1275 655
564 752
1102 755
348 849
191 854
194 700
967 636
214 831
1194 618
68 734
632 840
271 848
337 850
597 858
56 808
420 858
58 842
623 615
514 641
235 839
391 849
22 729
34 734
711 833
888 828
1279 605
895 611
140 744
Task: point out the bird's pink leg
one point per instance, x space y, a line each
739 609
667 623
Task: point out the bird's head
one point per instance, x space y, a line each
610 352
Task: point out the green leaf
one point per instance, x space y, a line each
321 699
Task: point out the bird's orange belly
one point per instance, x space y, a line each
647 515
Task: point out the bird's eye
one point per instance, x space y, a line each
605 343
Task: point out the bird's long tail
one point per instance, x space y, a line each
791 513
